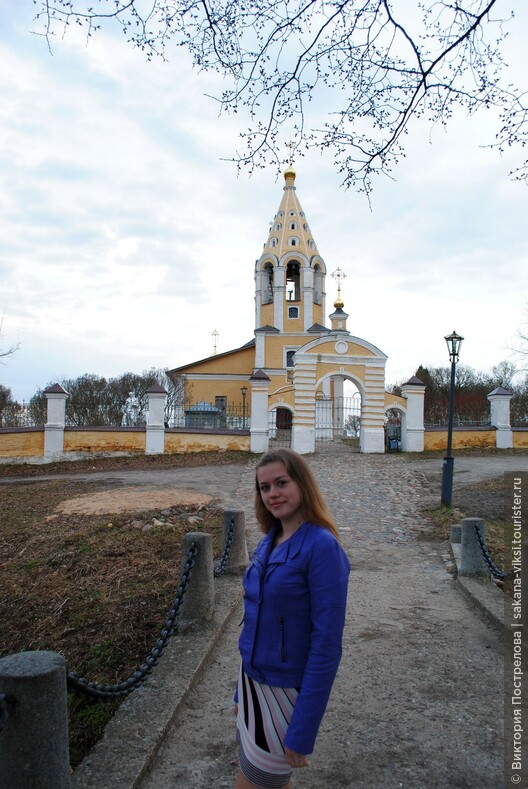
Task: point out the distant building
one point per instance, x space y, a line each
294 368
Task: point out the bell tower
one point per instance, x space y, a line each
290 274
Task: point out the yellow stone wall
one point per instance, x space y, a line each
238 362
104 440
23 444
205 442
437 439
392 398
520 439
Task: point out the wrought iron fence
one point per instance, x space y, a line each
460 422
204 415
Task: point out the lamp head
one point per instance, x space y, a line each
454 341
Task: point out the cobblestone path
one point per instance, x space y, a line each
417 702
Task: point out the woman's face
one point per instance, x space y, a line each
280 494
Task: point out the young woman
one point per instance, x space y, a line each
295 591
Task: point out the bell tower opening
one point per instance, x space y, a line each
293 281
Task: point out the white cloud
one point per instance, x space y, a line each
126 240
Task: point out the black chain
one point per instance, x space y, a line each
6 701
221 565
111 692
489 561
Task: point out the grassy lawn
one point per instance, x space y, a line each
97 588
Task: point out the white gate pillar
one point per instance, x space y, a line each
412 436
304 379
155 441
55 420
259 437
500 417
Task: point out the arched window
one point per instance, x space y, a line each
267 284
278 226
293 281
318 285
273 242
293 241
293 226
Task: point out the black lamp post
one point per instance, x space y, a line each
243 389
454 341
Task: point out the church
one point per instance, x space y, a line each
292 374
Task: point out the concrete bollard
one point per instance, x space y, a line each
34 743
238 556
456 533
472 561
198 600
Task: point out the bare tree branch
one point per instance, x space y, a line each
368 66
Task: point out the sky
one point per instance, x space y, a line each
127 238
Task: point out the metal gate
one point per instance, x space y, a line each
337 418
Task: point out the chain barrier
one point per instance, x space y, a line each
489 561
221 565
97 692
6 701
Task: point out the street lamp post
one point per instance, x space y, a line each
454 341
243 389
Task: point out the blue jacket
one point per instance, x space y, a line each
294 614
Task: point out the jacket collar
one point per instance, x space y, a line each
288 549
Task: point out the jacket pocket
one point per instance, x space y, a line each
282 638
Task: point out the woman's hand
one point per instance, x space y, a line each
296 759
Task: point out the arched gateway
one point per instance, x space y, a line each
296 366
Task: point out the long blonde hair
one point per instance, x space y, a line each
313 505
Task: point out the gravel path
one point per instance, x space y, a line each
418 698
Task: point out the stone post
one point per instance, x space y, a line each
472 561
56 398
238 555
500 417
198 600
34 743
413 423
155 440
259 437
304 381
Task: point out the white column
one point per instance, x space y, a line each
155 441
259 439
303 429
372 432
55 421
413 424
279 296
500 417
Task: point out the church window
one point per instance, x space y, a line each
293 241
289 358
311 243
278 226
293 312
273 242
293 281
221 402
281 213
293 226
292 213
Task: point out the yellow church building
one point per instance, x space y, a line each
292 374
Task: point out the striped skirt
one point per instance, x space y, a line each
264 714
